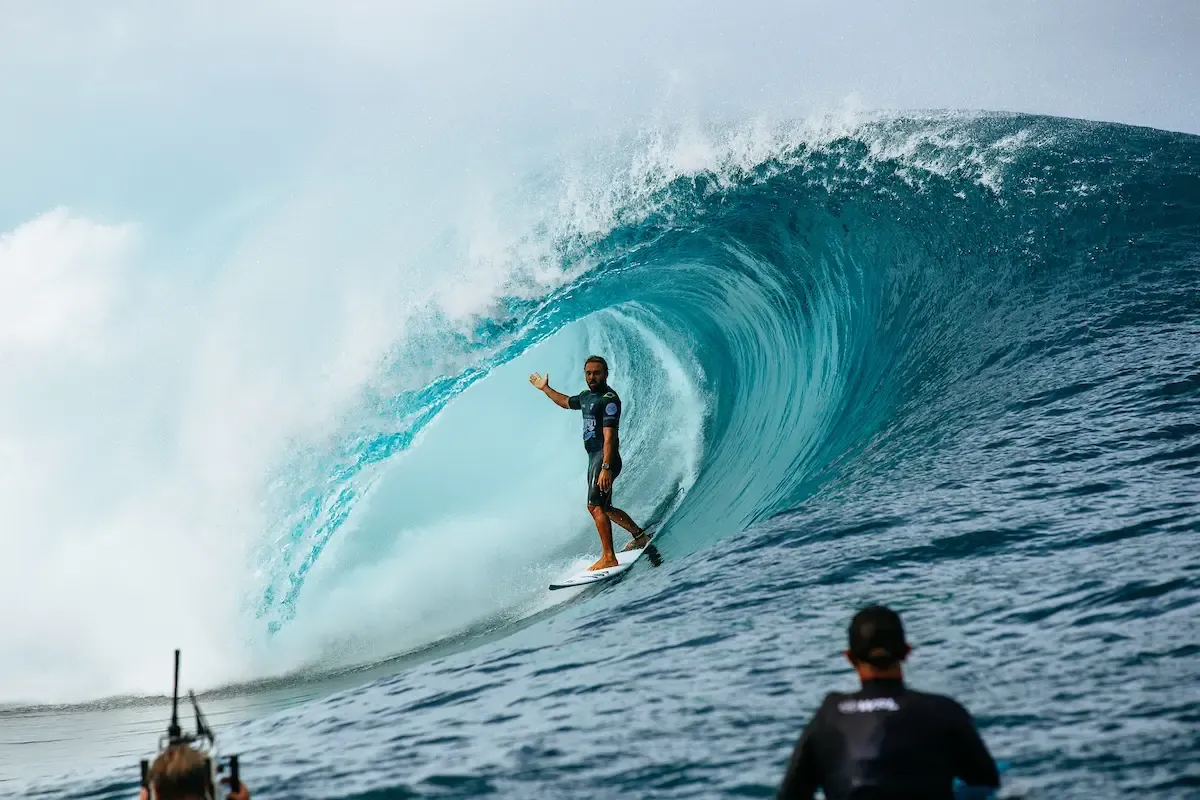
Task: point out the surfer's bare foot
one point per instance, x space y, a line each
638 542
604 563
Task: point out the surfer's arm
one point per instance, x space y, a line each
604 481
559 398
543 383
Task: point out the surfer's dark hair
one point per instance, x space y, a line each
596 360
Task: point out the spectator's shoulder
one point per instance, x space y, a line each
831 702
944 704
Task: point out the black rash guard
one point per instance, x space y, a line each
601 410
888 742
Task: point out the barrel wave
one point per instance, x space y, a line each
947 362
793 316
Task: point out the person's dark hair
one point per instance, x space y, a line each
181 773
596 360
877 637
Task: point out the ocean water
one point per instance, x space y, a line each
946 362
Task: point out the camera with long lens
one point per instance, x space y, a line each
202 741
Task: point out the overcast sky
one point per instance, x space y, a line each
1102 59
142 93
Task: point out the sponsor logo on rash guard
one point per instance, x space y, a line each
867 705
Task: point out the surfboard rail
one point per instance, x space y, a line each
585 577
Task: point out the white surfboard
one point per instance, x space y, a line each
586 577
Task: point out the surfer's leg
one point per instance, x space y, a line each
604 528
624 520
598 503
640 538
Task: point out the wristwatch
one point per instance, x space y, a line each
604 466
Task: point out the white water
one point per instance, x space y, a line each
243 240
472 523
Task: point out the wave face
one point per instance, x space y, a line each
945 362
804 305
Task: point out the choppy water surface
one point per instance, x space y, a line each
950 364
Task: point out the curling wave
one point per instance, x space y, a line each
790 306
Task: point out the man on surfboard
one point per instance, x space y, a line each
601 409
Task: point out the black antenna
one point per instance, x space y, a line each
173 731
204 737
202 728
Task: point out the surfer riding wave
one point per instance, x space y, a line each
601 407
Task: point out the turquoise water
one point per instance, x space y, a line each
950 363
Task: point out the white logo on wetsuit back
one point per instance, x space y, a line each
610 409
868 705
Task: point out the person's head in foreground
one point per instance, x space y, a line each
877 644
183 773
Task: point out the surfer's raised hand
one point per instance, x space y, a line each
543 383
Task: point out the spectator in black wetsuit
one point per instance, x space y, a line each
886 742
